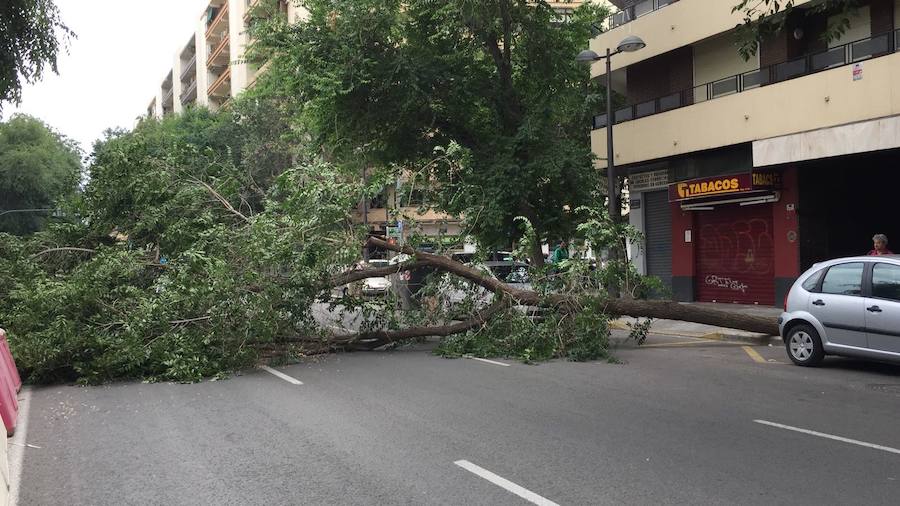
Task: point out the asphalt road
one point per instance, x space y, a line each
673 424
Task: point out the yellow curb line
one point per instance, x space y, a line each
692 343
754 355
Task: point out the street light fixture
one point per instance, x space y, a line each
629 44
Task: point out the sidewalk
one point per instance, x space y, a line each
697 330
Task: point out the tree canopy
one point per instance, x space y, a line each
496 77
31 36
38 166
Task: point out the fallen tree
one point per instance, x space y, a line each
654 309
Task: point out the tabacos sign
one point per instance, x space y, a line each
724 185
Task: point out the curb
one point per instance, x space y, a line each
758 339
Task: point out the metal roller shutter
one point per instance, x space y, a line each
736 255
658 234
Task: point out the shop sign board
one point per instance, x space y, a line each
718 186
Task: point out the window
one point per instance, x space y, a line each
886 281
813 281
844 279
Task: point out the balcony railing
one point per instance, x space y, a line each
853 52
211 91
167 96
214 23
190 93
215 52
629 14
190 67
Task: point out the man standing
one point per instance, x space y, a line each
880 242
560 253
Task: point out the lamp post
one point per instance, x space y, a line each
630 44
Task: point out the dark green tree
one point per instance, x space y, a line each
31 35
385 83
37 168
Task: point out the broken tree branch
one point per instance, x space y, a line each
54 250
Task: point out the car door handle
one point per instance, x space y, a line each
819 302
873 309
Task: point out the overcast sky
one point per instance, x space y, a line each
123 51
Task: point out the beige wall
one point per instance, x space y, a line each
680 24
860 28
718 58
238 35
819 100
896 14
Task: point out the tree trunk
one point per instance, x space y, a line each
668 310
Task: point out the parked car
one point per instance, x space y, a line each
847 306
377 286
512 273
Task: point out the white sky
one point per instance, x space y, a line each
123 52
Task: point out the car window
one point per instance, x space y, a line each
510 273
813 281
843 279
886 281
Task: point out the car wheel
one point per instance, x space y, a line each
804 346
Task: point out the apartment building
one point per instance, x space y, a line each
742 174
209 69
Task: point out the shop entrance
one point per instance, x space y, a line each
844 202
735 254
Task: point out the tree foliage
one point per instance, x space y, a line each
383 83
38 166
764 18
31 35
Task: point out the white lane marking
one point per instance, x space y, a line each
281 375
18 446
829 436
522 492
486 361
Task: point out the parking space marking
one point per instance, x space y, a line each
281 375
830 436
501 482
486 361
754 355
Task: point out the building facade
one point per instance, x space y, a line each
743 173
210 69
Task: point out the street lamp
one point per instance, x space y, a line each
630 44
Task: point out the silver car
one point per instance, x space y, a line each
848 306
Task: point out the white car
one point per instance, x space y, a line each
847 306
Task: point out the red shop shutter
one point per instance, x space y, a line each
736 255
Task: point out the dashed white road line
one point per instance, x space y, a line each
486 361
17 446
501 482
279 374
830 436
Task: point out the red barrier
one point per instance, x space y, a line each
6 354
9 385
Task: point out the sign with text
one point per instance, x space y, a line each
724 185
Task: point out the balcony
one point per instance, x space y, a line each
219 22
167 96
220 53
190 93
629 14
817 91
188 68
853 52
221 87
677 24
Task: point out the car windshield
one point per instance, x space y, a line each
510 273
